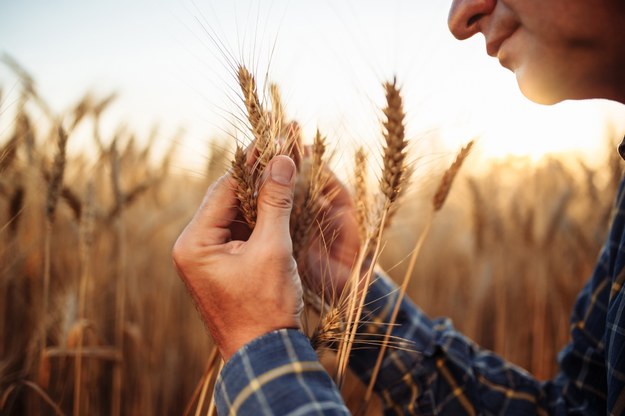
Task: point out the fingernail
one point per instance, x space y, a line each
282 170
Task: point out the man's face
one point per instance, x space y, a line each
558 49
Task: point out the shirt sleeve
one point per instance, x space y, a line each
437 370
277 374
434 369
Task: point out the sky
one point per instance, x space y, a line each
171 62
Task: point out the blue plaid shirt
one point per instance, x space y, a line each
279 373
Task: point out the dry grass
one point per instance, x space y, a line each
105 314
114 331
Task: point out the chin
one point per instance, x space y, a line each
548 85
541 97
541 91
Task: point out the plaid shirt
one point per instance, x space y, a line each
279 373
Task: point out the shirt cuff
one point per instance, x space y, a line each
277 373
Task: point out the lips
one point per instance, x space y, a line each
494 42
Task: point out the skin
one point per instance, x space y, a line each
246 284
558 49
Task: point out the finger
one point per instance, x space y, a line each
213 219
335 190
275 202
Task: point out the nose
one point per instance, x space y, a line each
465 15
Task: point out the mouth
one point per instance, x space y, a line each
493 45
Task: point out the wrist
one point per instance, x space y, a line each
232 341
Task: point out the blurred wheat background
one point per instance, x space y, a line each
95 321
93 318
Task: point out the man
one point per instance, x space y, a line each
249 295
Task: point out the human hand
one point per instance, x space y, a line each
335 244
244 284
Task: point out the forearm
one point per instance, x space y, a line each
433 368
278 373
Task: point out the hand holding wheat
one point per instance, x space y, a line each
243 287
335 241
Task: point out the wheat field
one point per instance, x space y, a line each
94 320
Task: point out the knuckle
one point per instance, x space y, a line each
177 250
277 198
178 259
180 253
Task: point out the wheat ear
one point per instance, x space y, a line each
308 205
391 182
246 187
448 177
395 149
277 110
330 329
394 172
259 120
437 202
361 192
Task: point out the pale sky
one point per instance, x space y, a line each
329 57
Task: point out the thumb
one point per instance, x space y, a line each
275 201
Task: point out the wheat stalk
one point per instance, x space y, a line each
307 203
305 215
329 330
40 393
213 368
22 133
85 243
56 177
16 205
448 177
28 86
54 186
81 110
120 287
361 192
96 112
391 182
437 202
392 211
395 175
265 147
